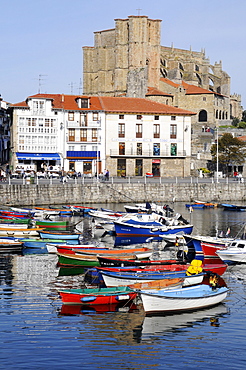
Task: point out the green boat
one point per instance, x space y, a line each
72 260
15 220
52 225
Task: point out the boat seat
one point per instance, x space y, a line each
194 268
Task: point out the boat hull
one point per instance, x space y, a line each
64 236
114 279
178 300
99 296
136 230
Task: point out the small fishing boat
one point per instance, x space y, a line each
235 252
205 247
97 296
118 278
12 220
184 299
19 232
232 207
154 229
93 250
105 261
59 235
52 225
88 259
66 247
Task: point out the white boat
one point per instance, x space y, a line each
184 299
117 279
52 247
19 232
13 226
234 253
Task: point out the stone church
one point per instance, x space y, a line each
129 60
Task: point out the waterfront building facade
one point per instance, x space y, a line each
87 134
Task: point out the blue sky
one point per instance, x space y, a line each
45 38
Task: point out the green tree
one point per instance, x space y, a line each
231 151
235 121
244 116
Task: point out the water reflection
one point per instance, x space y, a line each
155 325
6 265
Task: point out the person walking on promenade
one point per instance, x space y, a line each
107 175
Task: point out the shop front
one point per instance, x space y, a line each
37 161
156 163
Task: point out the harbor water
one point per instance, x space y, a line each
38 332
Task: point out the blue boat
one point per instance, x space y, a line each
232 207
156 229
59 235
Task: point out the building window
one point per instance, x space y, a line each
121 148
202 117
84 103
71 148
156 149
139 128
204 98
71 116
83 134
95 116
173 149
139 116
83 148
157 118
139 167
121 167
71 134
121 116
83 119
94 136
173 131
139 148
173 118
156 131
121 130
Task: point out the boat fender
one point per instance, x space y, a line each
88 299
122 297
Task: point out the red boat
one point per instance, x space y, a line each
218 268
97 296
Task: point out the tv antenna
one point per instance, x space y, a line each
40 78
71 86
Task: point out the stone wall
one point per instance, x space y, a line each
33 195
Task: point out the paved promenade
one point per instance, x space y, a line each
126 180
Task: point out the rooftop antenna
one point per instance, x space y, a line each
71 85
39 82
80 86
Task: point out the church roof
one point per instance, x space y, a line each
153 91
190 89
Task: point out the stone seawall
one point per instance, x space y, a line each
119 193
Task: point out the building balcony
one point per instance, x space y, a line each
145 153
89 124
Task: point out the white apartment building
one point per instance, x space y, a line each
59 130
128 136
